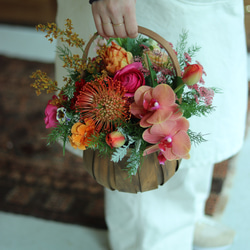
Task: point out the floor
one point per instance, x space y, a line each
31 233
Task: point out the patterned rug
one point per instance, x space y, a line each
37 180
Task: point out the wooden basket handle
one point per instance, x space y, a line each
154 36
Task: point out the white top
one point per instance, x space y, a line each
218 27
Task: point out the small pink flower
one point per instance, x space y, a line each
50 115
115 139
192 74
170 137
131 78
187 57
204 94
207 95
154 105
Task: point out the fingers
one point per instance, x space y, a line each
130 22
115 18
120 29
103 27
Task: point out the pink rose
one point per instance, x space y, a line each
131 78
50 115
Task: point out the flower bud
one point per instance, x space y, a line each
192 74
115 139
161 158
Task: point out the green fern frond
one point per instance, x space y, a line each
196 138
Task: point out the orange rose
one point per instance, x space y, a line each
81 133
116 57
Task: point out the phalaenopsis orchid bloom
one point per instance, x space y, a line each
170 138
154 105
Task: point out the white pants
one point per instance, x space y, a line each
159 219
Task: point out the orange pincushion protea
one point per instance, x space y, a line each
103 101
81 133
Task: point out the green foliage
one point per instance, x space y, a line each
181 48
99 142
135 46
134 161
196 138
59 133
63 52
190 107
153 76
69 89
121 152
178 86
74 75
63 130
70 63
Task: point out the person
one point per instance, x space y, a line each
166 218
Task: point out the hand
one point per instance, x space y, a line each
115 18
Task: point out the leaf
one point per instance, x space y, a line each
119 154
152 72
134 162
178 86
196 138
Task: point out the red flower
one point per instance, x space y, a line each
78 86
131 78
104 102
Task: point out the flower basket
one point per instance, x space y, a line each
150 174
114 176
127 108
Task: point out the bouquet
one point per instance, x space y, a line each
127 100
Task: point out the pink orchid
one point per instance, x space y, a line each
170 137
154 105
161 158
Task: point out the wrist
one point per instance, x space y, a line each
91 1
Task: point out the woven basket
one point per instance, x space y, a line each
150 174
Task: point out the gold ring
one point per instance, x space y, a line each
118 24
107 23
